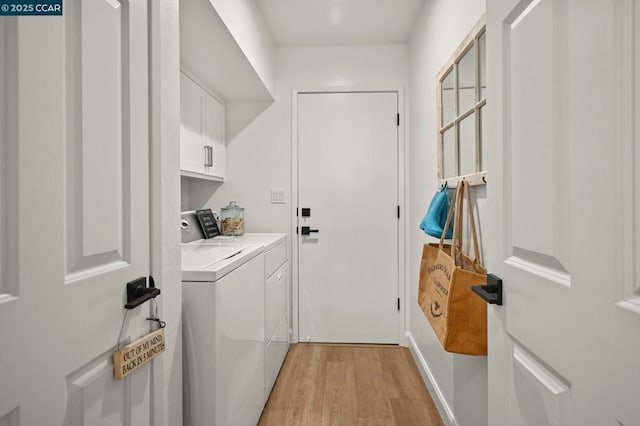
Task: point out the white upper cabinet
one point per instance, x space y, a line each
215 136
191 126
202 136
226 50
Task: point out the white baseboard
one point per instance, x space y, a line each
436 394
404 340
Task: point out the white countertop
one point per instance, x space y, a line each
211 259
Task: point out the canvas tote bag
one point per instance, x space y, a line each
456 314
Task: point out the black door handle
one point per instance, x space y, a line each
138 292
492 292
306 230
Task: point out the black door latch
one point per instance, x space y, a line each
492 292
306 230
138 292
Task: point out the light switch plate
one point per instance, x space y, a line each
277 196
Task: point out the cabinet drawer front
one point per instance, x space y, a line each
275 353
275 304
274 258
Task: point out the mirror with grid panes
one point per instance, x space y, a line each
462 93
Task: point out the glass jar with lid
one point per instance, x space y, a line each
232 218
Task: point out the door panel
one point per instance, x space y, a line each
546 395
347 176
98 122
560 129
87 389
537 120
78 225
98 141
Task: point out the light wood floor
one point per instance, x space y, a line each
349 385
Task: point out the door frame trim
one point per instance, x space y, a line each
402 202
164 199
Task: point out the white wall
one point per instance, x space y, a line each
441 26
259 156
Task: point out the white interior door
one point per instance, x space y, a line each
347 176
75 218
562 151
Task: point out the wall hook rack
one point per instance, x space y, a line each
477 179
138 292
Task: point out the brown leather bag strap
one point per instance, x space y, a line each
456 244
472 222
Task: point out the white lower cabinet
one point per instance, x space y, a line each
276 314
202 132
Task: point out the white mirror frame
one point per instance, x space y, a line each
471 41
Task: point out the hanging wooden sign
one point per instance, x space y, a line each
136 354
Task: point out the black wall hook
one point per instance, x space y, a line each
138 292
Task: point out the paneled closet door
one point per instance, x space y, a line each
74 222
562 150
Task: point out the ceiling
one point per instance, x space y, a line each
340 22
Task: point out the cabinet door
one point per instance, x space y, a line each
191 126
214 136
275 305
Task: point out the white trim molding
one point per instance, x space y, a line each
627 16
436 394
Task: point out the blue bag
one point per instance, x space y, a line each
436 217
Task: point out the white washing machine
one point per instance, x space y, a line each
224 333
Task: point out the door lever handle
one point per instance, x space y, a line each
491 292
306 230
138 292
